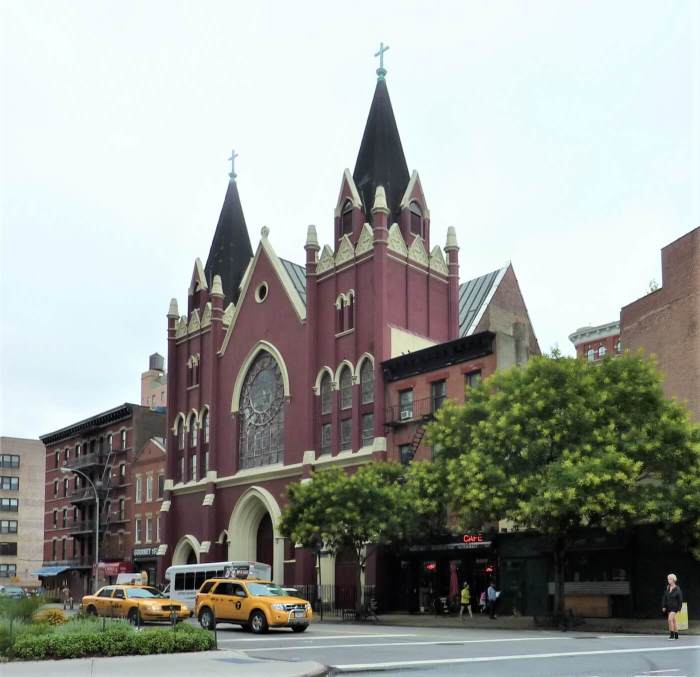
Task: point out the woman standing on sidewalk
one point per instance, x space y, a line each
671 604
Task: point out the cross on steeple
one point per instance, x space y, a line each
381 71
232 159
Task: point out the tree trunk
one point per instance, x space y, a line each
559 574
361 564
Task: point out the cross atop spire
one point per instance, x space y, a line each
381 71
232 159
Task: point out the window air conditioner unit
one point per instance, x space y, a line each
406 414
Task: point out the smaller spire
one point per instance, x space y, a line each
232 174
381 71
380 201
264 232
451 239
172 310
216 287
311 238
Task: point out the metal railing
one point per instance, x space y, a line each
335 599
417 410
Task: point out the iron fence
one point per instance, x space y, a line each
337 599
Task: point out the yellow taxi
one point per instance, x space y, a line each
255 605
137 603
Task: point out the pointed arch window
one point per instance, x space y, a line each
180 433
261 414
416 219
193 430
326 394
345 388
350 324
205 426
340 314
367 382
346 219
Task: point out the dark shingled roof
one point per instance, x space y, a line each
297 274
474 296
230 248
381 161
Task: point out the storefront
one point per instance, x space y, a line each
431 575
146 559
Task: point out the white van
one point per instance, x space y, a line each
184 580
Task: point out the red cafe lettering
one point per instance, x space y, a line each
473 538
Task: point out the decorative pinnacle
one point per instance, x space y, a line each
380 201
381 71
264 232
451 239
232 174
311 238
216 287
172 310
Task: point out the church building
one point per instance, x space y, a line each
277 369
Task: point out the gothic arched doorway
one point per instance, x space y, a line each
265 540
186 551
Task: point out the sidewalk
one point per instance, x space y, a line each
209 663
636 626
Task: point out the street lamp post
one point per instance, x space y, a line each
97 520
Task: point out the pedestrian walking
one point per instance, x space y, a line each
482 602
671 604
464 598
491 598
65 595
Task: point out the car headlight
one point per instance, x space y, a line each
278 607
154 607
308 608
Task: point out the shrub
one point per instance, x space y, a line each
50 617
23 608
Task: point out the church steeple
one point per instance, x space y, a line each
230 250
381 161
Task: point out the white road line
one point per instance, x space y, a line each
353 667
654 672
367 645
312 638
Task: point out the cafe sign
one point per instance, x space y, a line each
140 553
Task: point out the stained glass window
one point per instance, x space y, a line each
326 394
345 388
367 382
261 414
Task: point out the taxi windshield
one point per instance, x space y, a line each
265 590
142 593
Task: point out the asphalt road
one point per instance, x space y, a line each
353 649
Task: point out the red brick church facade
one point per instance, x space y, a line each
276 368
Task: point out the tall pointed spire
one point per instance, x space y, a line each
230 249
381 161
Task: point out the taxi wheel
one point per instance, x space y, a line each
299 628
206 619
258 623
134 617
91 611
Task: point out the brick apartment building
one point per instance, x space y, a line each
149 483
594 343
21 510
100 449
154 383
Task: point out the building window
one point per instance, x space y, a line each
77 450
8 526
63 549
180 433
157 528
65 518
9 504
340 314
149 530
346 219
346 434
55 488
406 404
326 394
416 219
590 354
9 549
367 382
472 379
122 435
109 442
326 434
161 485
8 570
405 453
55 519
122 509
182 468
9 461
262 414
601 352
137 531
53 549
137 497
350 324
9 483
205 426
618 346
193 430
193 467
345 388
57 459
122 473
367 429
438 391
65 487
149 488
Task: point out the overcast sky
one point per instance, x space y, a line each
562 136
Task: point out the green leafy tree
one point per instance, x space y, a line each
561 444
346 511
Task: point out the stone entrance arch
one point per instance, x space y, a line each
186 551
250 510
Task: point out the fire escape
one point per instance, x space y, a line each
417 413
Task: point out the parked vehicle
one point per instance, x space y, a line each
186 579
137 603
13 591
252 604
